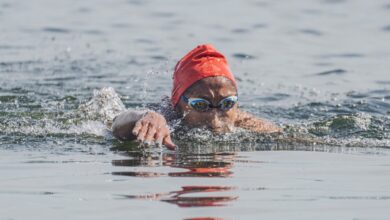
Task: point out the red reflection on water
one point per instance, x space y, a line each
203 172
177 198
200 201
212 165
193 172
208 165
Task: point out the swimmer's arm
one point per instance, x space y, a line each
148 127
252 123
124 123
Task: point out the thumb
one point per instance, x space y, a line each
168 143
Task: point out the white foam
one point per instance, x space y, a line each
104 106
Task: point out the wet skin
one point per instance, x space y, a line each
213 89
151 128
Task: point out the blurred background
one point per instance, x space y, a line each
70 47
318 68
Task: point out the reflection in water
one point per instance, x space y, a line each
202 165
204 218
196 165
177 198
199 169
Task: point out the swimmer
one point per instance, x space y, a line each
204 95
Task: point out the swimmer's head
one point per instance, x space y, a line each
204 90
216 91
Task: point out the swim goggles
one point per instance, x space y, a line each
203 105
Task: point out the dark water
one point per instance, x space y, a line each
319 69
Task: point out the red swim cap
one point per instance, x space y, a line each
202 62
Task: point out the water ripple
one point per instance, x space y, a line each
56 30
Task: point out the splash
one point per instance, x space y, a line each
347 130
90 122
104 106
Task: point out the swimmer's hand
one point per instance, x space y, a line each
152 129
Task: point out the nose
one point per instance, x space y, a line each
215 122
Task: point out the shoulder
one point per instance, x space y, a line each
165 108
251 122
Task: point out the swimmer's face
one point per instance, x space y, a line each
212 89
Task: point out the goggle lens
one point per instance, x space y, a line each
203 105
228 103
199 104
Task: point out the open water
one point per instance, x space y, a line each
319 69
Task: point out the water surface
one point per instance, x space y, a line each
319 69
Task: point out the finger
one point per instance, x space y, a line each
137 127
159 138
149 137
167 141
142 132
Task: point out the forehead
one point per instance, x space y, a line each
212 87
